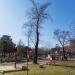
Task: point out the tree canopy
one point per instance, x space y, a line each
6 44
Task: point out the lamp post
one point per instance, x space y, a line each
27 51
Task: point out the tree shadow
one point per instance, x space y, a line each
67 66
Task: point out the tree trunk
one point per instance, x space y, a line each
37 41
64 55
36 49
35 55
36 45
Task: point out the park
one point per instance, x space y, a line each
37 37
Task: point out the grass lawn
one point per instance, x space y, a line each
63 68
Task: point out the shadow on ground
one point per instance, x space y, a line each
67 66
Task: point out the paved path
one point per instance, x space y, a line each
8 68
5 68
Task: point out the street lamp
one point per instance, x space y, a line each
28 36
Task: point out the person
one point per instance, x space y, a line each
30 55
49 59
53 60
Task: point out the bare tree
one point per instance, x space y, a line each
36 16
63 38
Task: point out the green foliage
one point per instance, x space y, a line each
6 44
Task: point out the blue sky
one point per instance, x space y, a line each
12 17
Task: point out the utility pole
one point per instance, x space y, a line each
28 35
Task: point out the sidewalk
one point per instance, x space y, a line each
10 68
